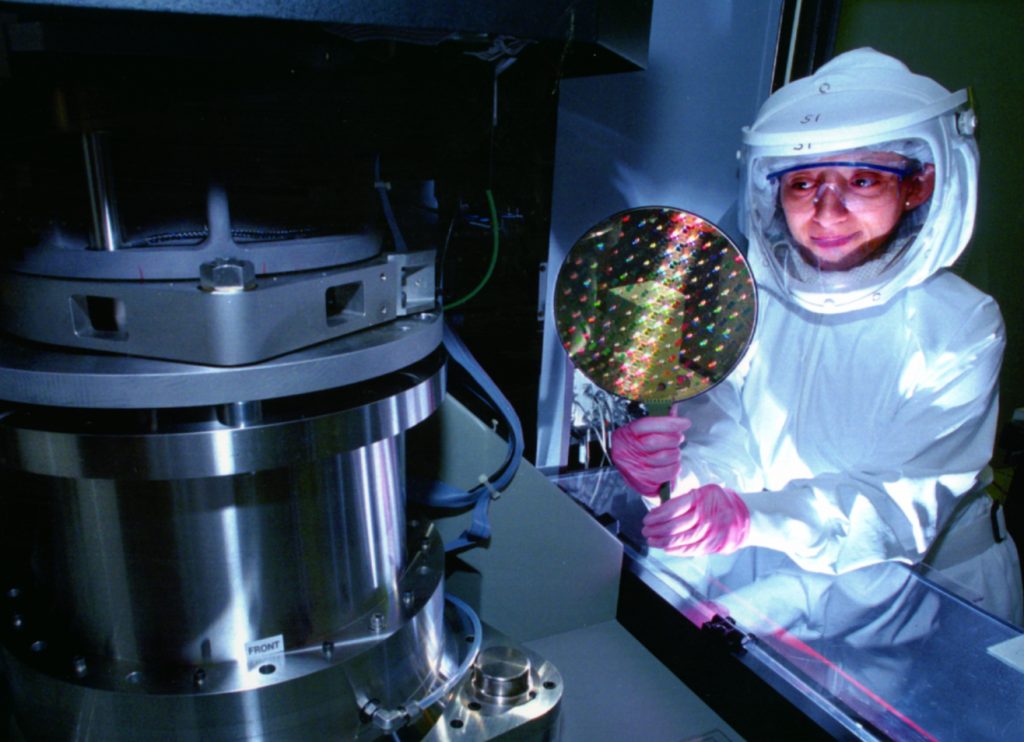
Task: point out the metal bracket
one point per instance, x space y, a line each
723 630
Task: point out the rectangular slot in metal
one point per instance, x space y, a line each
99 317
344 303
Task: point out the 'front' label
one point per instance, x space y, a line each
261 649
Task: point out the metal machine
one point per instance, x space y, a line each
224 549
202 441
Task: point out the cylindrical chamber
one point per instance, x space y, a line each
304 693
192 570
288 525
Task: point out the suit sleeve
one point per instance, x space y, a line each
926 455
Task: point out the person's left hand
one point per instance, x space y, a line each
707 520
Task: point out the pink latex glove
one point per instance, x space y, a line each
706 520
646 451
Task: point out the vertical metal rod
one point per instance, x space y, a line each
218 214
792 42
106 226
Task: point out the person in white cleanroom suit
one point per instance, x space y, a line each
859 425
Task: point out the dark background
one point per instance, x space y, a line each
292 118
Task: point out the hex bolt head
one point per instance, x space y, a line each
199 677
227 275
79 666
408 597
368 710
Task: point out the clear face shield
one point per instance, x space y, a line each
844 221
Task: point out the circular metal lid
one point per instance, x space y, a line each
502 673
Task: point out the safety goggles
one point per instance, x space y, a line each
858 185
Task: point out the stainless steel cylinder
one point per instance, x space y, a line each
190 571
502 674
212 568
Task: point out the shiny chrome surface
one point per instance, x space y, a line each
232 571
502 674
224 554
325 703
303 537
308 693
234 439
106 225
191 570
534 715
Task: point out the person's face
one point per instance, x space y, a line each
840 215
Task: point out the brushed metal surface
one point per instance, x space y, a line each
272 316
189 571
135 601
308 696
124 447
41 375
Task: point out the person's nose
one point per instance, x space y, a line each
828 205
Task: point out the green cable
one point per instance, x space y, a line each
494 255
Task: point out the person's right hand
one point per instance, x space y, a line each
707 520
646 451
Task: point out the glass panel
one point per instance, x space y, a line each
882 650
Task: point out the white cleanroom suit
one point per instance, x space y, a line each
860 424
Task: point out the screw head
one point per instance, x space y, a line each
377 622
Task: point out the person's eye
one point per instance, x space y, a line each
865 181
798 185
